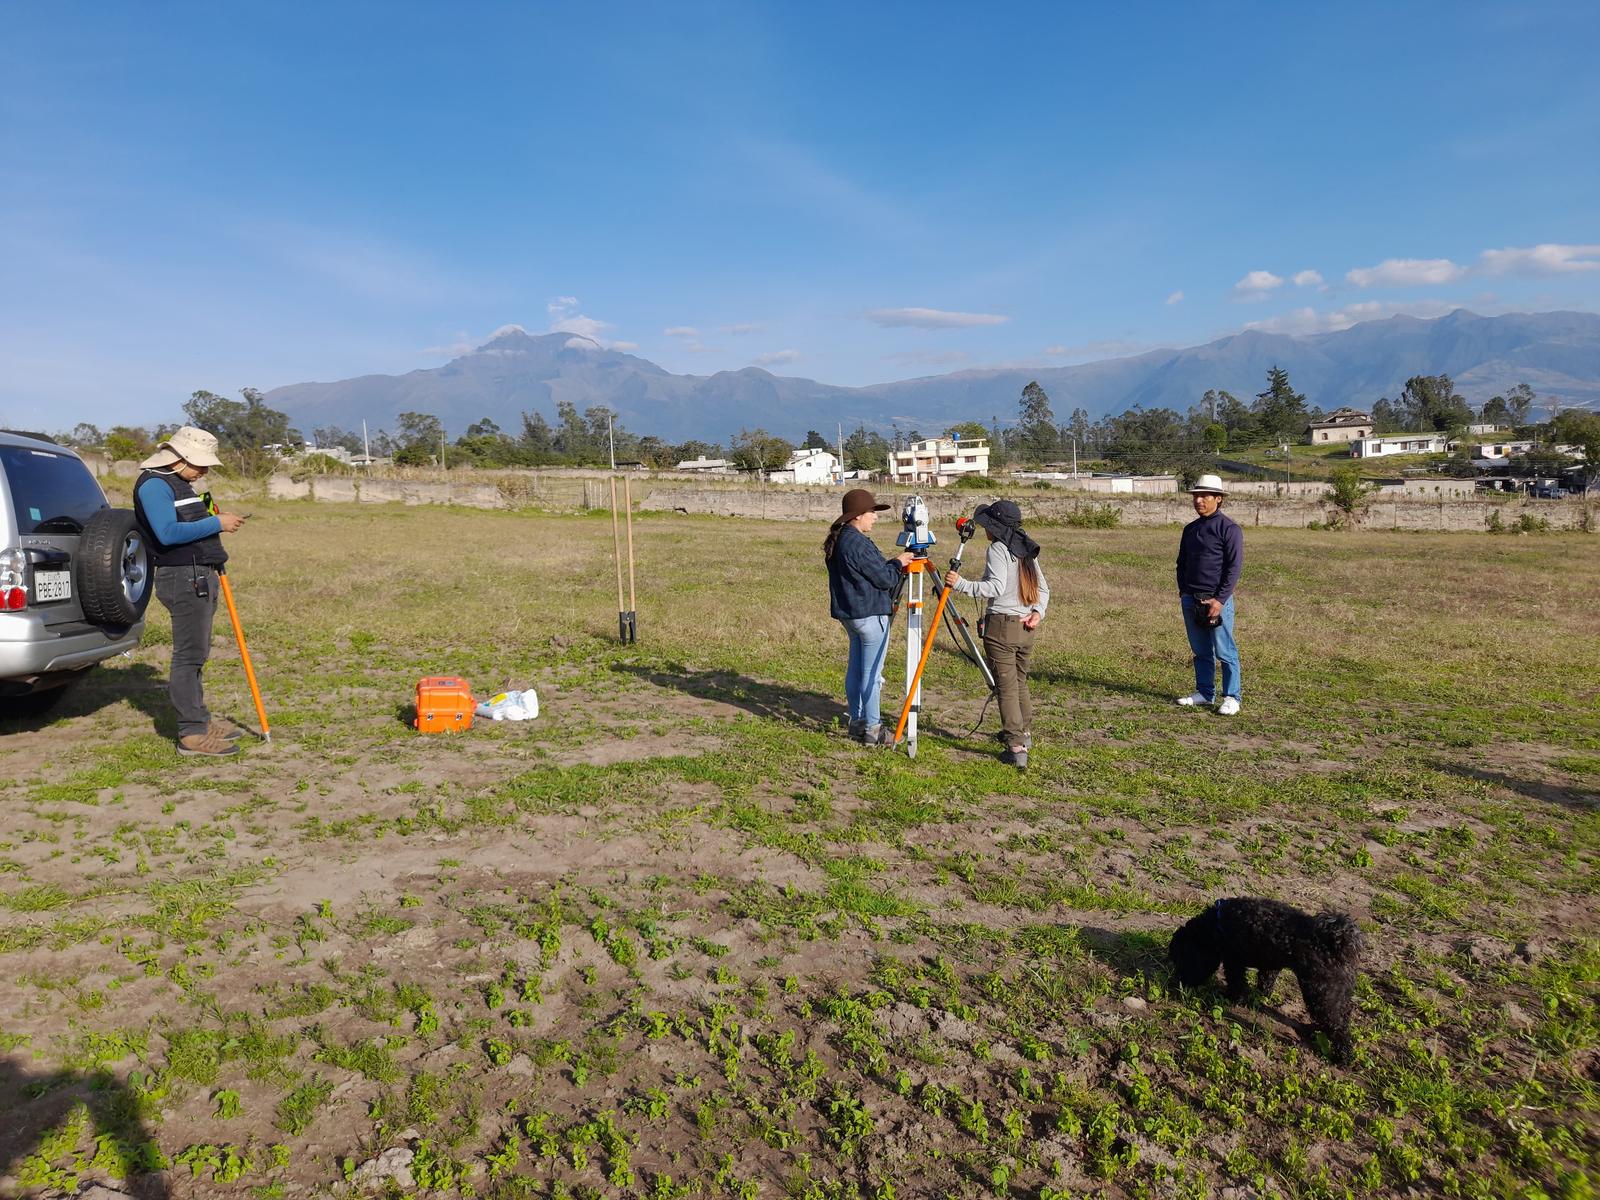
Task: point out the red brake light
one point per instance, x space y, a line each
16 598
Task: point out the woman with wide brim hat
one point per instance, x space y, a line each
185 535
861 587
1017 595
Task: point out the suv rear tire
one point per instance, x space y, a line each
115 576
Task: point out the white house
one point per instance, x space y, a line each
1399 443
939 460
1341 425
812 466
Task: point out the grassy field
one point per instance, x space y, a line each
1319 462
678 937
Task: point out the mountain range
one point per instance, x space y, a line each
1556 353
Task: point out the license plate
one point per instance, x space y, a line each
52 585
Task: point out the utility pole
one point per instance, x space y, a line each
444 463
1074 456
366 446
841 453
611 440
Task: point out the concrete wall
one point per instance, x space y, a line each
571 491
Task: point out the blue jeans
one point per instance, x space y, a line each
1211 646
863 679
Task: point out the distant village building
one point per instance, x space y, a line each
812 466
1399 443
1341 425
707 466
939 460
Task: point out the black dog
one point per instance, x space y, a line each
1323 951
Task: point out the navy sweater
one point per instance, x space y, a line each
1210 556
861 581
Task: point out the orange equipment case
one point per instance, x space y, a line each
444 704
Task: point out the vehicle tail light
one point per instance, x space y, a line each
13 577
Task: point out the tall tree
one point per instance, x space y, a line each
1581 430
1431 402
1520 401
86 436
866 451
758 450
1495 411
419 439
1280 411
240 425
1387 417
1037 436
815 441
967 431
537 436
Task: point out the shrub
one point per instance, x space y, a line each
1094 516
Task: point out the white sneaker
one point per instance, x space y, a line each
1193 699
1228 707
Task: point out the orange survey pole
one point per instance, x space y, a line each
921 564
244 654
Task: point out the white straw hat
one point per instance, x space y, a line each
193 446
1208 483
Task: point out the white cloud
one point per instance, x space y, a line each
562 305
1105 348
681 331
581 343
624 345
589 327
1307 278
1256 284
931 318
740 330
776 358
1406 272
1307 320
1547 258
1175 298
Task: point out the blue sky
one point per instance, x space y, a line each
218 196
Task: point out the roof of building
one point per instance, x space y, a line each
1341 417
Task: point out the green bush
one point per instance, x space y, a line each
1094 516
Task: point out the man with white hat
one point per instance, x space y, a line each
1210 558
185 532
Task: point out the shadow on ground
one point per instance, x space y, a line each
772 700
140 684
1533 789
114 1135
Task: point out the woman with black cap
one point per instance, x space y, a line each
1018 596
861 585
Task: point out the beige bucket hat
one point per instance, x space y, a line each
193 446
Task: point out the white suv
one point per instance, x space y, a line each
75 573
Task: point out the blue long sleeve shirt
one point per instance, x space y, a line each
155 498
861 581
1210 556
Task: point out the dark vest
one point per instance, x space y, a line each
190 506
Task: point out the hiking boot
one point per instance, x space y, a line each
228 733
877 735
1194 700
1229 706
1015 758
207 745
856 730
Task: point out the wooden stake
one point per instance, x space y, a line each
616 555
627 501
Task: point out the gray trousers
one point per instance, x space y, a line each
1008 647
191 640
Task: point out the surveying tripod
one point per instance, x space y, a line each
917 538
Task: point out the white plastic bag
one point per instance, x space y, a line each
510 706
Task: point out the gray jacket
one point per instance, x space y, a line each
999 584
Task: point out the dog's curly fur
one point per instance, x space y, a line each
1323 951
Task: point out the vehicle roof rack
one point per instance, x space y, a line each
29 433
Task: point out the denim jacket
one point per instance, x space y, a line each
861 582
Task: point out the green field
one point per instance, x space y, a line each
679 937
1319 462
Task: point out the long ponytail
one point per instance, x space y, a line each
1027 580
831 541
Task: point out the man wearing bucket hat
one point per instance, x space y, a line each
1210 558
185 534
1017 595
861 586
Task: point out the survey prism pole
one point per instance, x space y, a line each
244 653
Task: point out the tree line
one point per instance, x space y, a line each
1140 440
